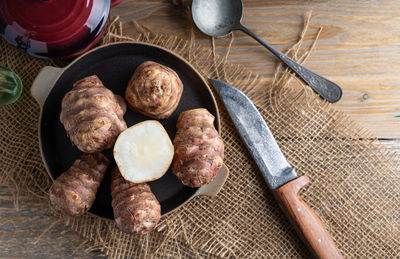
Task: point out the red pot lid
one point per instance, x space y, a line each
53 28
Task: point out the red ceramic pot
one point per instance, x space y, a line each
54 28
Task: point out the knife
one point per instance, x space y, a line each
277 172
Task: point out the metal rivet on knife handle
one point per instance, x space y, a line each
307 224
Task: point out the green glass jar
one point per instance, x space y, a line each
10 86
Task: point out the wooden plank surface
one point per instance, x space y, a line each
359 48
21 232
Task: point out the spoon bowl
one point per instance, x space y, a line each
217 18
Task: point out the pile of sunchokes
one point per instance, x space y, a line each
92 116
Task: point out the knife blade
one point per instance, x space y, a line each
277 172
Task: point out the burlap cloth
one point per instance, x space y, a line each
355 186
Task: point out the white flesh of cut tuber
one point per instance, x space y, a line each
143 152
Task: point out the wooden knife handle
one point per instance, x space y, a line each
307 224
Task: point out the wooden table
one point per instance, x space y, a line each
359 48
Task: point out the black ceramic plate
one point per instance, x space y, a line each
114 65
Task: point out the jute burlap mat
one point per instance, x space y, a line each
355 185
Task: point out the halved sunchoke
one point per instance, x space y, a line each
143 152
199 150
92 115
74 191
136 209
154 90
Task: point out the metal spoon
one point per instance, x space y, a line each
219 18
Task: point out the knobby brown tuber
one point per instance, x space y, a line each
74 191
199 150
92 115
154 90
136 209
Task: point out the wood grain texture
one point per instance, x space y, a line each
307 224
359 47
391 144
21 230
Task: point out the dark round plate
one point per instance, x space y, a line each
114 64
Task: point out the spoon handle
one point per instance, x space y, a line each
322 86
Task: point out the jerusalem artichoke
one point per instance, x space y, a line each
74 191
199 150
143 152
92 115
154 90
136 209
